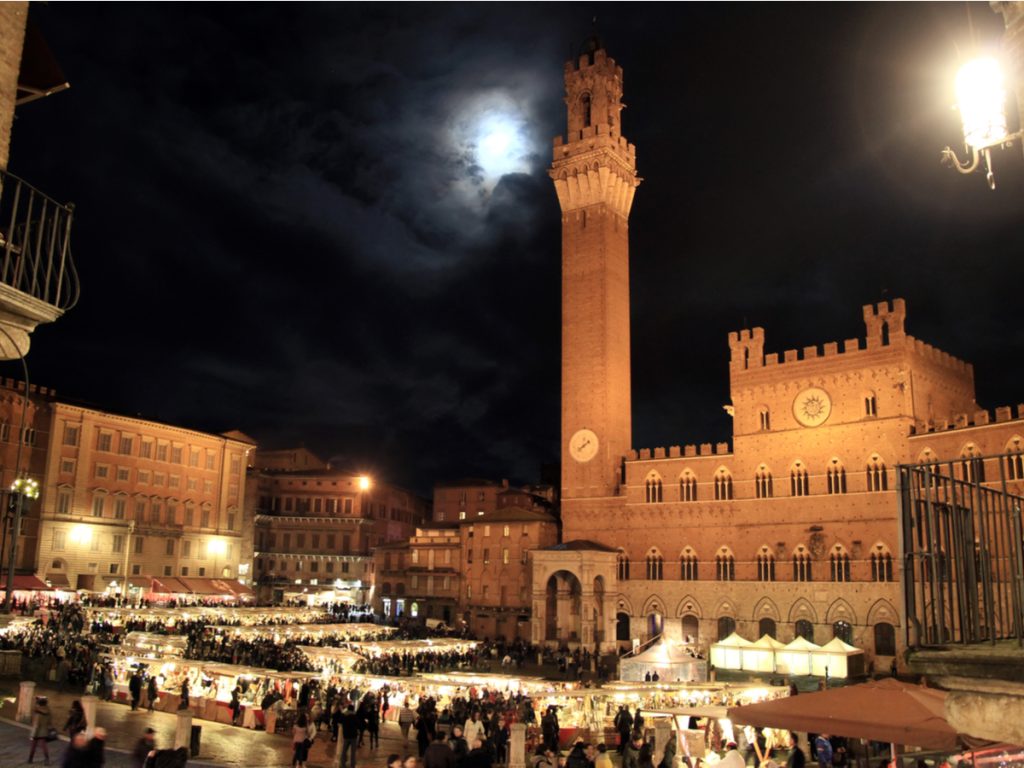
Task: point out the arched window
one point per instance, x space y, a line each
726 626
688 486
870 404
885 334
585 109
839 564
801 564
878 478
655 565
688 565
763 483
881 563
652 487
844 631
622 626
836 477
622 564
972 466
1015 459
766 627
804 629
723 485
725 565
798 482
385 588
764 418
765 565
885 639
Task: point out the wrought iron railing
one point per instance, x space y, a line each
35 244
963 552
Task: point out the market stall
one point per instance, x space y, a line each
838 659
307 634
728 653
152 645
670 660
760 656
797 658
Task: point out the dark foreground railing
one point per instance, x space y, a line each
35 244
963 552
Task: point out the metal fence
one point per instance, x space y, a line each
35 243
962 547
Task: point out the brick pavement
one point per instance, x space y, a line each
221 745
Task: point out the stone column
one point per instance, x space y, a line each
89 707
26 697
517 746
563 612
662 735
183 729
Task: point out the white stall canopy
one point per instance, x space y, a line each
839 659
760 656
728 653
797 657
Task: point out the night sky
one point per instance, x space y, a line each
331 224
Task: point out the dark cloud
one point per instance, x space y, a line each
284 226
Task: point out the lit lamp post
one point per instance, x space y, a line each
981 100
22 488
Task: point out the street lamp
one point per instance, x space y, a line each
364 483
22 488
981 100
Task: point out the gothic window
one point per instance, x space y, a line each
655 566
798 482
726 626
764 418
652 489
839 564
870 404
881 563
836 473
622 564
972 466
878 478
844 631
688 565
805 629
585 109
723 485
801 564
766 627
688 486
765 565
1015 459
725 565
763 483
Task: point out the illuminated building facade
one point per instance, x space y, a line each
316 529
124 497
794 527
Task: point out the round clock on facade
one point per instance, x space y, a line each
583 445
812 407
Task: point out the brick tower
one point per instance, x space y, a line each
594 172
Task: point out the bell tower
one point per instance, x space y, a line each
594 172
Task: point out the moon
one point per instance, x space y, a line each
501 143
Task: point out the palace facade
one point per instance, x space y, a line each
793 528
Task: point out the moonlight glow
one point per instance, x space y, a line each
501 144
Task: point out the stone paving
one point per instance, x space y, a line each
223 745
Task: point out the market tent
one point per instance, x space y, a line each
672 661
25 583
760 656
885 710
838 659
797 657
728 653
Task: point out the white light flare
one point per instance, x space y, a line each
981 99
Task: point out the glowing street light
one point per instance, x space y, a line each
981 100
26 486
364 483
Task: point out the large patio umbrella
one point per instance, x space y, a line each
886 710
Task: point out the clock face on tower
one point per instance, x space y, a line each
812 407
583 445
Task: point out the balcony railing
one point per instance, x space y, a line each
35 244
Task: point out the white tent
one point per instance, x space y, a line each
728 653
670 659
839 659
760 656
797 657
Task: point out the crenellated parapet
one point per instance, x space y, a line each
585 185
978 418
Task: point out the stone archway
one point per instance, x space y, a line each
563 597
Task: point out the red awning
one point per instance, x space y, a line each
167 585
142 582
25 583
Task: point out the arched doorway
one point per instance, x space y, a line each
691 628
622 633
726 626
562 617
766 627
654 624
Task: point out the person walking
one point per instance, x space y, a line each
796 757
349 738
41 729
823 750
145 745
151 693
438 754
301 742
373 726
135 688
75 723
406 717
